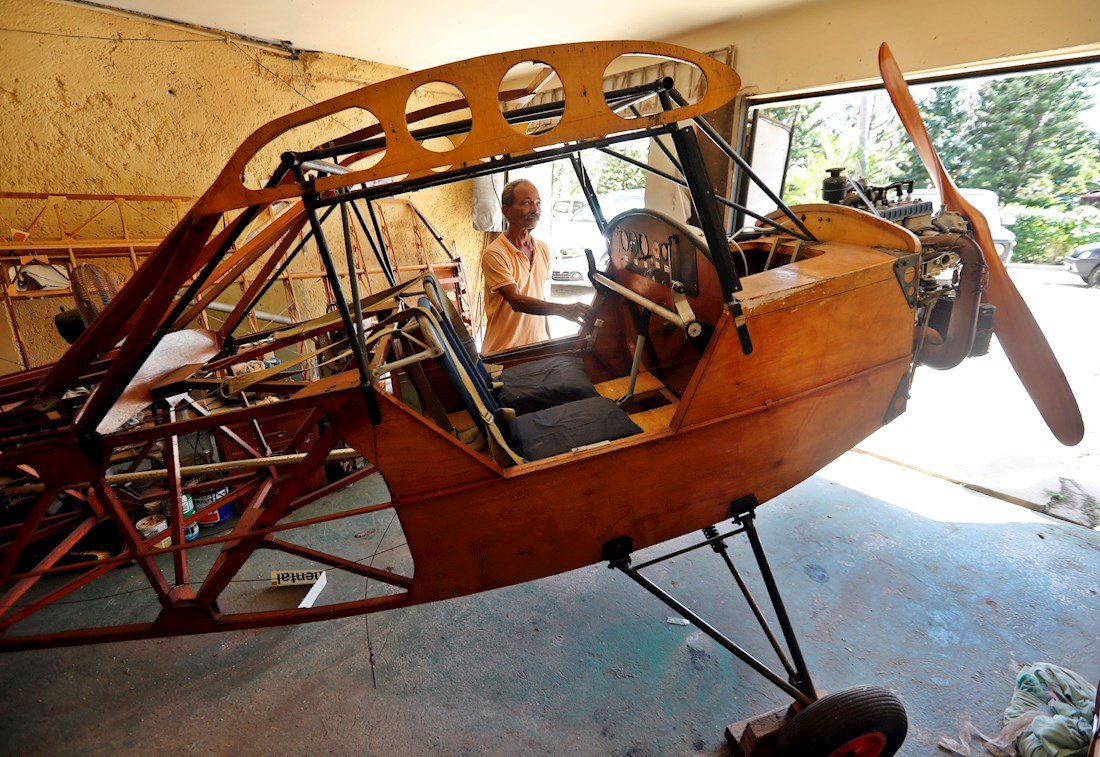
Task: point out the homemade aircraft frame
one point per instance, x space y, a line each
716 370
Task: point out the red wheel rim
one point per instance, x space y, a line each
867 745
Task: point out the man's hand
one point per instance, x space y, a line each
520 303
576 311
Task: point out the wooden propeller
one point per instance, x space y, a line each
1020 336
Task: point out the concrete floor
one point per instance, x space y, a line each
892 578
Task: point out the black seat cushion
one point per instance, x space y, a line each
539 384
559 429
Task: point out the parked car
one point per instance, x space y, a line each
566 208
1085 262
568 239
985 200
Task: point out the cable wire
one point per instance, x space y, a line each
106 39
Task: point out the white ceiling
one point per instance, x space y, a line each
415 34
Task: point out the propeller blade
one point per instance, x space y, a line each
1020 336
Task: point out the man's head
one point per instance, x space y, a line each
521 204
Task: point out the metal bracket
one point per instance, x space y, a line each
899 400
743 506
617 551
906 269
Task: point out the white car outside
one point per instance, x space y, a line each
570 238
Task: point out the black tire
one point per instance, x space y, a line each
870 717
1093 279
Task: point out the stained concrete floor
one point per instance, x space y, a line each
891 577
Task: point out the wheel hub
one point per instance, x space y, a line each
865 745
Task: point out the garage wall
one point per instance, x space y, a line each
130 116
836 41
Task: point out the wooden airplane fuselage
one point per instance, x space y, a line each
833 336
832 346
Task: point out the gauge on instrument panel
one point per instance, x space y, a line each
624 240
658 248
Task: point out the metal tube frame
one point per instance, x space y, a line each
278 272
717 197
383 262
588 190
733 155
703 198
743 512
798 683
431 230
353 274
374 412
381 251
492 166
619 98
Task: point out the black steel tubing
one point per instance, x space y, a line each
278 272
383 253
490 167
353 275
702 195
722 549
733 155
383 263
717 197
711 541
666 104
589 191
804 682
432 231
714 633
519 115
341 304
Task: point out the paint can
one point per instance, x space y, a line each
151 525
218 514
191 532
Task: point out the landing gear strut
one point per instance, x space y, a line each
861 722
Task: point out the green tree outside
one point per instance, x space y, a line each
1028 142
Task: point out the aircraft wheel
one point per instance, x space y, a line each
865 721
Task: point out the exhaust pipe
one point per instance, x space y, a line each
944 351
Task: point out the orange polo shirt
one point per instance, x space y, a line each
502 264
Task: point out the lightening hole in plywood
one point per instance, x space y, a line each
530 83
455 117
629 70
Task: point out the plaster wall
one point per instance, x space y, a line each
128 107
835 42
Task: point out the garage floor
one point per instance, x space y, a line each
892 578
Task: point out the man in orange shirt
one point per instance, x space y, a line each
515 267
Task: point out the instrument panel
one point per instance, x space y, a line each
650 245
